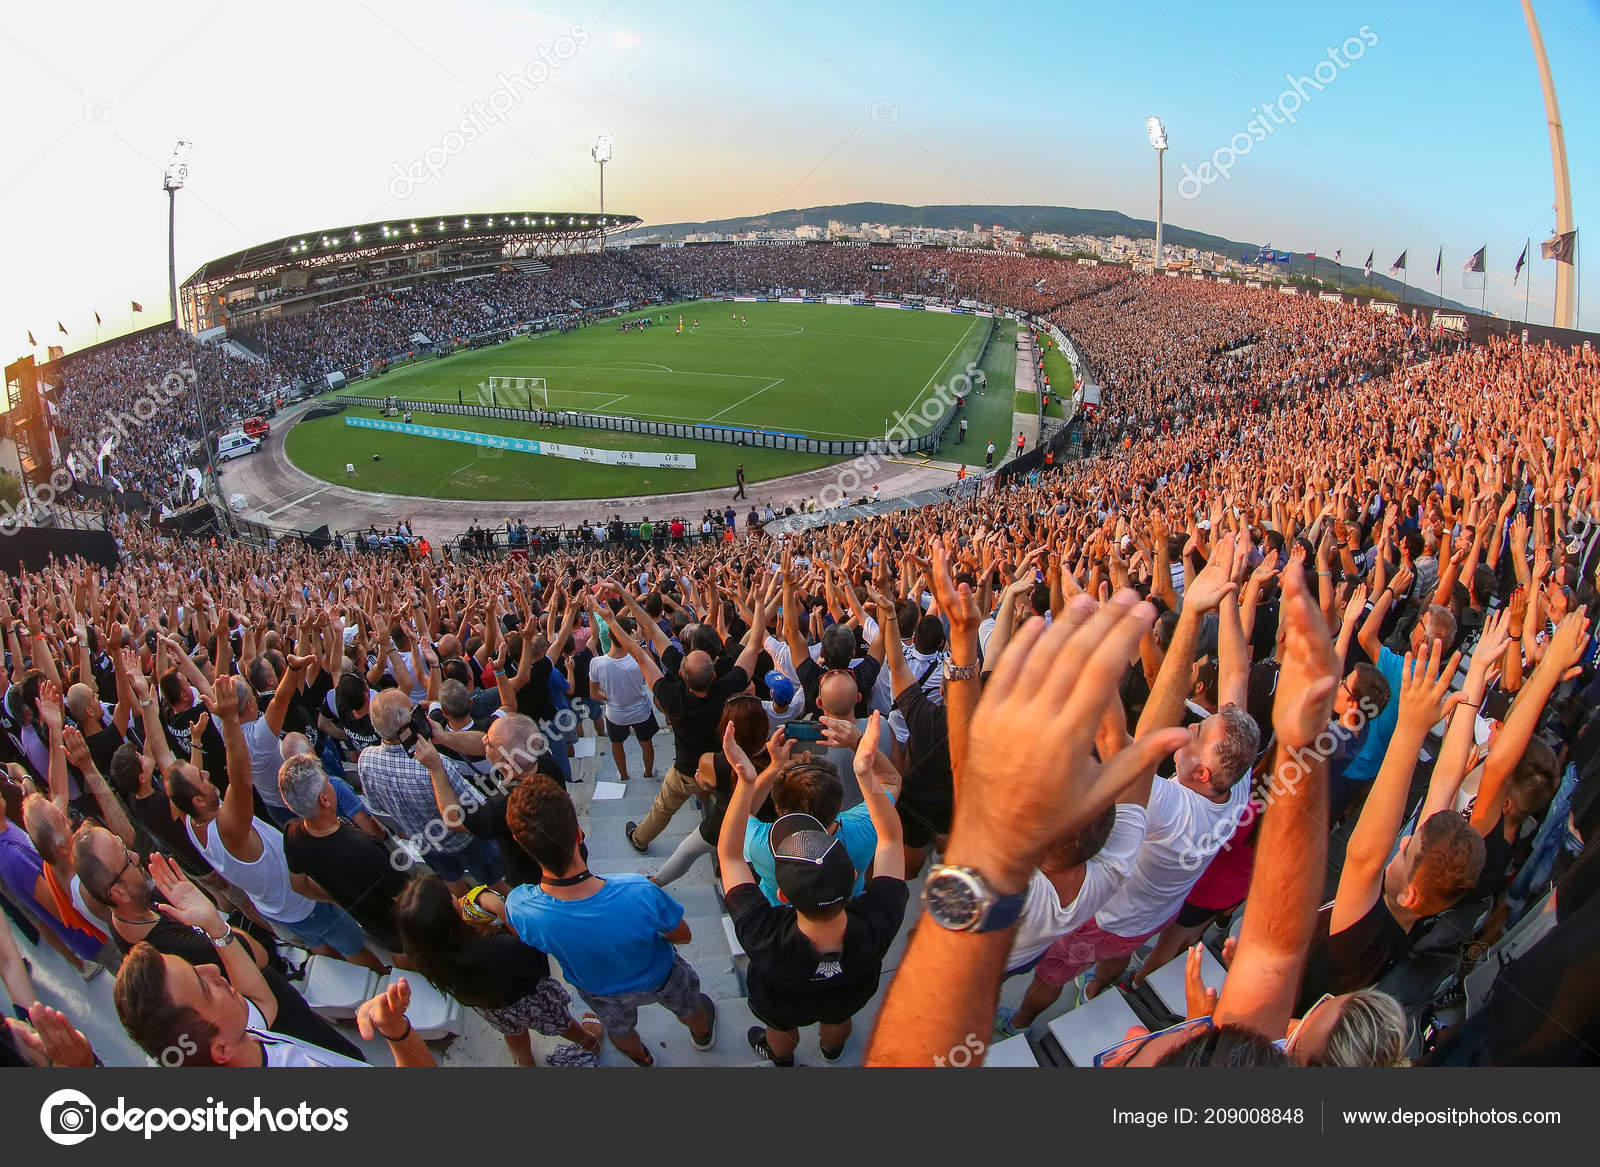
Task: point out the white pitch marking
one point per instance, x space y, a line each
740 402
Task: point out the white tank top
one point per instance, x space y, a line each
266 881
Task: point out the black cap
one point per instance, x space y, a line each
814 870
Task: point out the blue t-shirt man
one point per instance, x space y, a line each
609 943
855 831
1365 766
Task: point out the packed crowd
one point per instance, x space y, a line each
150 453
1323 598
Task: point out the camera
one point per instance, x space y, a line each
72 1118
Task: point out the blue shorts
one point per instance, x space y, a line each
481 857
328 924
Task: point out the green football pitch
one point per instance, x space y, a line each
822 370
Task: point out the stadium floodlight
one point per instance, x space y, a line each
177 173
1158 140
601 154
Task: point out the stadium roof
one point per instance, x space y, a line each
360 240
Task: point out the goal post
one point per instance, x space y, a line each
517 392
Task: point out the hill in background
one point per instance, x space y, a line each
1027 219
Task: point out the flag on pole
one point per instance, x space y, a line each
61 328
97 320
1560 247
1521 260
31 342
1367 271
1399 264
1311 255
1475 261
137 307
1438 264
1338 255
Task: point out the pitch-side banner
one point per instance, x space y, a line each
527 445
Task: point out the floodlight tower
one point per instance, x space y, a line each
1158 139
177 174
602 154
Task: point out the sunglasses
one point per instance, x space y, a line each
1124 1051
131 860
1299 1026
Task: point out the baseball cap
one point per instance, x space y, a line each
781 687
814 871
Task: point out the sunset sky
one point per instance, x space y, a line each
307 115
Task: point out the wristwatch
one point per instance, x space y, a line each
958 899
959 672
227 938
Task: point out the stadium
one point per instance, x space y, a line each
570 638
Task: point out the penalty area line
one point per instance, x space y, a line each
742 400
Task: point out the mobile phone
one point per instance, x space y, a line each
803 731
418 727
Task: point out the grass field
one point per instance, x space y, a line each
827 371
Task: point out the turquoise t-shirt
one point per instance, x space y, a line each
611 942
855 830
1364 767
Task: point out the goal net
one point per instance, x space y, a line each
517 393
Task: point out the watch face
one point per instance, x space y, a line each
954 899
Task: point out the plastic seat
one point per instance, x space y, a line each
1093 1026
337 988
1167 982
432 1014
1011 1052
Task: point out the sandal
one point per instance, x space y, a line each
597 1032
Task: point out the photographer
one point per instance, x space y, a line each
399 777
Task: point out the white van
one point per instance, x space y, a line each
236 444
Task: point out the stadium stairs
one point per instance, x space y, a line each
240 349
532 267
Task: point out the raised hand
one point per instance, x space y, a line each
77 750
1199 1001
1424 685
1303 702
385 1015
1215 581
185 903
1028 775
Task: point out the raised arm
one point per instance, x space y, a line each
1291 852
1424 684
873 770
619 635
1561 654
111 810
238 801
1029 779
1205 593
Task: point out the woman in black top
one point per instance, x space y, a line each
716 778
482 965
